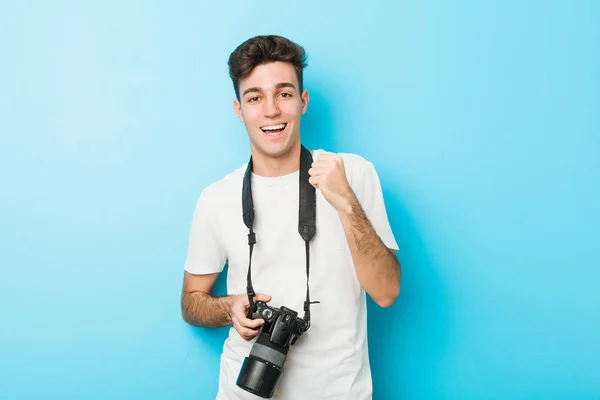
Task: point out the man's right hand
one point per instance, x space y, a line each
247 328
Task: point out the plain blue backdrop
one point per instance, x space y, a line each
482 119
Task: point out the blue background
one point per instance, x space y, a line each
482 119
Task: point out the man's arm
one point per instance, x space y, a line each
198 307
377 267
205 255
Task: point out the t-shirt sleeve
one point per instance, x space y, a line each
370 196
205 255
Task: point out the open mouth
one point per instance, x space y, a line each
273 130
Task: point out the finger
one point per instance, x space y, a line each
324 156
324 167
249 334
329 157
245 333
253 323
313 180
321 162
316 171
262 297
240 318
250 323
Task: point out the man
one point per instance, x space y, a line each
352 253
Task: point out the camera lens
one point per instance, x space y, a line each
262 368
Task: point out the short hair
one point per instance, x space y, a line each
264 49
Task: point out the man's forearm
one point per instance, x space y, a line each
202 309
377 268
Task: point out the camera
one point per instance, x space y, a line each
262 368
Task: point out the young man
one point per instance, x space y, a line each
352 252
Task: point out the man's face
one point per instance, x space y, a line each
270 107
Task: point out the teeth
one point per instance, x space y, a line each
273 127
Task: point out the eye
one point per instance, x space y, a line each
286 94
252 99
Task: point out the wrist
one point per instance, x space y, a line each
347 204
228 303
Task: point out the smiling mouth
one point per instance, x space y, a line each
273 130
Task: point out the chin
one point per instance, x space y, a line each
275 150
275 153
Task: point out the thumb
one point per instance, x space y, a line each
262 297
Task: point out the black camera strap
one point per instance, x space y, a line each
306 222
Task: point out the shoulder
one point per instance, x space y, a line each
224 188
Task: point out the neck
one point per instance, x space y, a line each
288 163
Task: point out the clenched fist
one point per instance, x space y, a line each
328 175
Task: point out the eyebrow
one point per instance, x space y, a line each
278 86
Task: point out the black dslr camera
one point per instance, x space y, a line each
262 369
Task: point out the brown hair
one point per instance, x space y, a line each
263 50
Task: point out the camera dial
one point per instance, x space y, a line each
267 314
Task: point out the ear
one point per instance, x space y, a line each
305 98
237 107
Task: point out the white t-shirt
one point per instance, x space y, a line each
330 360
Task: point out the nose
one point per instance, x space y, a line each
271 107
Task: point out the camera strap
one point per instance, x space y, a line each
306 221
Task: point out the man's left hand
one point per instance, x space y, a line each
328 175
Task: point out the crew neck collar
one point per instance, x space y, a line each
282 178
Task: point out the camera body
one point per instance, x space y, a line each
282 324
262 368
